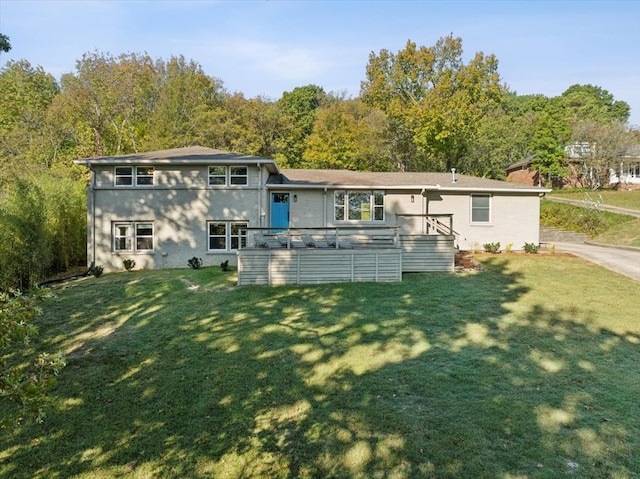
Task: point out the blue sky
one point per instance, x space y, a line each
267 47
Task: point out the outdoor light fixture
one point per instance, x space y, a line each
295 198
413 198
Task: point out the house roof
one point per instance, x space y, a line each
315 179
301 179
195 155
524 163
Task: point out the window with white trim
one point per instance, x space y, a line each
133 236
124 175
480 208
226 235
358 205
144 175
228 175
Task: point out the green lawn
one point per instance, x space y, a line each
527 370
621 199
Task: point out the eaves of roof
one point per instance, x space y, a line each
193 155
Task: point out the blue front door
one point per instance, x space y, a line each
279 210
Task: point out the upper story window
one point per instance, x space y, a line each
358 206
124 175
480 208
228 176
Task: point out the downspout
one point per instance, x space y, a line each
324 208
260 215
92 228
425 208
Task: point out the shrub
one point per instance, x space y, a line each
509 248
531 248
224 266
195 263
129 264
96 270
492 248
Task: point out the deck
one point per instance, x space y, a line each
315 256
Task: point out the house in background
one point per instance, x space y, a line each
522 172
304 226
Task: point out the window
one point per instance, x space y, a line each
226 235
358 205
124 176
238 175
480 208
133 236
144 176
217 175
228 175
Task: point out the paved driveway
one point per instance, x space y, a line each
622 260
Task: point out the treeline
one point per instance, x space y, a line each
420 109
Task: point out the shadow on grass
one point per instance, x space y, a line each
440 376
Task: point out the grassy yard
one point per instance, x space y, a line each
527 370
621 199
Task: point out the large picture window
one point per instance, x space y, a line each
358 206
226 235
133 236
124 175
480 208
228 176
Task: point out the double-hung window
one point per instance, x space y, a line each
358 206
228 176
480 208
133 236
226 235
124 175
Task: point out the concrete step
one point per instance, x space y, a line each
553 235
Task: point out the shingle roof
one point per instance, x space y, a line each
191 154
363 179
522 163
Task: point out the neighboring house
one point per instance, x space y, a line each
629 173
522 172
163 208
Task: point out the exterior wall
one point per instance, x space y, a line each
514 216
179 204
514 219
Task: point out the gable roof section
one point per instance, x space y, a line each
192 155
522 164
345 179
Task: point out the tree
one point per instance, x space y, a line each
606 143
588 102
349 135
5 45
301 106
434 95
185 96
26 92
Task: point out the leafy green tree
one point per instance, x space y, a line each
108 98
185 97
26 381
5 44
589 102
301 106
22 234
433 94
349 135
26 92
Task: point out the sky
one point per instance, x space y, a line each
267 47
